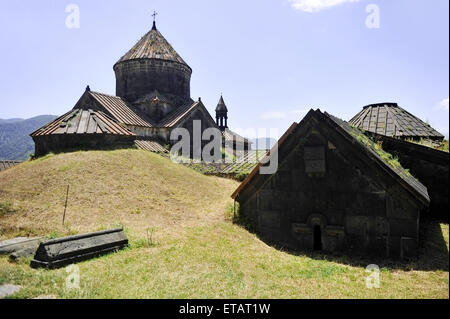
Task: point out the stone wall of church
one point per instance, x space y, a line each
137 78
65 142
162 133
155 110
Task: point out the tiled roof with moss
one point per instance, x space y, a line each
376 150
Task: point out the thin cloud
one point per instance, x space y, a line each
277 115
444 104
316 5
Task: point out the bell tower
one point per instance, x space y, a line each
222 114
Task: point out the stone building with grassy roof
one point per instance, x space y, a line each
334 190
418 146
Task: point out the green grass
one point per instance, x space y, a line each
183 243
378 149
441 146
5 208
444 146
224 261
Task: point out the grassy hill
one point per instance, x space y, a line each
15 142
183 243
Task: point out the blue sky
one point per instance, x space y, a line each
272 59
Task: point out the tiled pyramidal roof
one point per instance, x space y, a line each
122 111
389 119
80 121
153 46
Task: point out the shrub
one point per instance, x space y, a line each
5 208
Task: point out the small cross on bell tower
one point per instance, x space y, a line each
154 19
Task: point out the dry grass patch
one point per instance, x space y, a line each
223 260
133 188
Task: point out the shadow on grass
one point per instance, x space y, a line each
433 251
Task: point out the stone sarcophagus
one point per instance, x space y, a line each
68 250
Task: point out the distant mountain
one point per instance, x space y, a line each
15 141
2 121
263 143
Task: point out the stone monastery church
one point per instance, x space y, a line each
362 186
152 98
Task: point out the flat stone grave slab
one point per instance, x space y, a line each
68 250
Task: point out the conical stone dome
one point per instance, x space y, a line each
153 64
